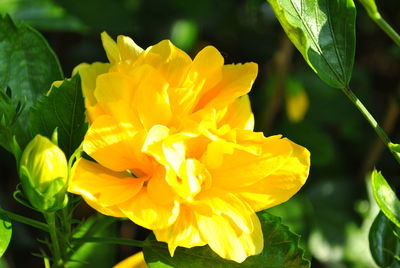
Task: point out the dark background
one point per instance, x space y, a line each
334 210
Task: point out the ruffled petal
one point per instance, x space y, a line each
128 49
236 81
88 74
248 162
239 114
170 61
115 91
111 48
101 187
183 233
280 185
144 211
235 232
116 145
158 188
145 99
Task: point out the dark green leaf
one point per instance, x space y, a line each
281 249
385 197
383 240
5 234
62 108
28 66
324 32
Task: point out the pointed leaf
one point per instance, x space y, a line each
383 240
5 233
281 249
385 197
324 32
62 108
28 66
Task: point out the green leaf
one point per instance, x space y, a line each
9 113
5 234
28 66
62 108
281 249
385 197
324 33
383 240
95 254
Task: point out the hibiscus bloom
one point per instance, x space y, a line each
175 149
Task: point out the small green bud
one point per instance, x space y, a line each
43 171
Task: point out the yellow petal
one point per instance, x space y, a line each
144 211
226 238
89 74
183 233
127 48
239 114
281 184
152 105
203 74
111 48
116 145
115 91
244 167
158 189
170 61
236 81
134 261
103 187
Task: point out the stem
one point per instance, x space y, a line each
51 221
371 120
387 28
4 214
110 240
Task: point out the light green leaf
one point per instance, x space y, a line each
385 197
62 108
324 32
281 249
383 240
5 234
28 66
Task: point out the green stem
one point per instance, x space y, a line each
6 215
110 240
386 28
371 120
51 221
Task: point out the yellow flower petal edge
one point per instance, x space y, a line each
134 261
175 149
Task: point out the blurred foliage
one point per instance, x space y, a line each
334 211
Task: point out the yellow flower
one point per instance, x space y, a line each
175 149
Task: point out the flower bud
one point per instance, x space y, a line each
43 171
